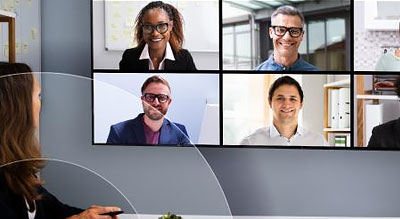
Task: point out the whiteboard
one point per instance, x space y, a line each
201 24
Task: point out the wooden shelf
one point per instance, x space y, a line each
362 96
338 84
336 129
9 14
377 97
9 17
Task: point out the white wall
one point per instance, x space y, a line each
313 105
359 16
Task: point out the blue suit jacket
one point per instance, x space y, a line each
131 132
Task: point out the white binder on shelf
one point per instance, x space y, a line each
344 108
334 108
373 117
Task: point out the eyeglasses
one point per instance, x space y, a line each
293 31
149 97
161 28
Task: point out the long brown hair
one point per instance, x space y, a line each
17 132
176 39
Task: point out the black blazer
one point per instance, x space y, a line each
386 135
49 207
130 61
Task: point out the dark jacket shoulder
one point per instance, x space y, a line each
386 135
130 61
49 207
131 132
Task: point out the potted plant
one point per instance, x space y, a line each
170 216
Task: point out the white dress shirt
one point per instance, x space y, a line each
31 215
270 136
168 55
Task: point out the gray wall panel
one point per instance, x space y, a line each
256 181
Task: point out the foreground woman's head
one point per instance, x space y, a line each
19 116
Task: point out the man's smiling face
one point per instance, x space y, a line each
286 104
286 46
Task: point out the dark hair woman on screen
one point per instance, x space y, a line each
21 191
159 35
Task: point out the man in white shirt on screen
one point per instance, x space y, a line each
286 100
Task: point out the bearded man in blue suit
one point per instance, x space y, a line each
151 127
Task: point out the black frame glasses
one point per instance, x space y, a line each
294 32
150 97
148 29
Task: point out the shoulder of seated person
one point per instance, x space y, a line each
309 66
174 123
134 51
387 124
182 53
124 123
259 131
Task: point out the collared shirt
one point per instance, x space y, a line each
151 137
168 55
271 136
31 214
388 62
299 65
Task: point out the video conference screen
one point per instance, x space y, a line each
248 74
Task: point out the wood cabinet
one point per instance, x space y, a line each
9 18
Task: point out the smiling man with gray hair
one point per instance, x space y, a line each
286 32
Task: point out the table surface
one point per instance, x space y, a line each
149 216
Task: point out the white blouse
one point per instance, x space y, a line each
31 215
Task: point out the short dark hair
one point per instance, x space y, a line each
284 80
155 79
288 10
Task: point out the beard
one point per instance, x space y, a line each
154 113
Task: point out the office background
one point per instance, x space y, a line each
326 43
246 106
371 39
380 107
27 32
200 39
255 181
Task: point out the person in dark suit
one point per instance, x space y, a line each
21 191
151 127
387 134
159 35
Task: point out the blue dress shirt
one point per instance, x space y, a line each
299 65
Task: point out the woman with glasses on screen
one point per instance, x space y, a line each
159 35
21 193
